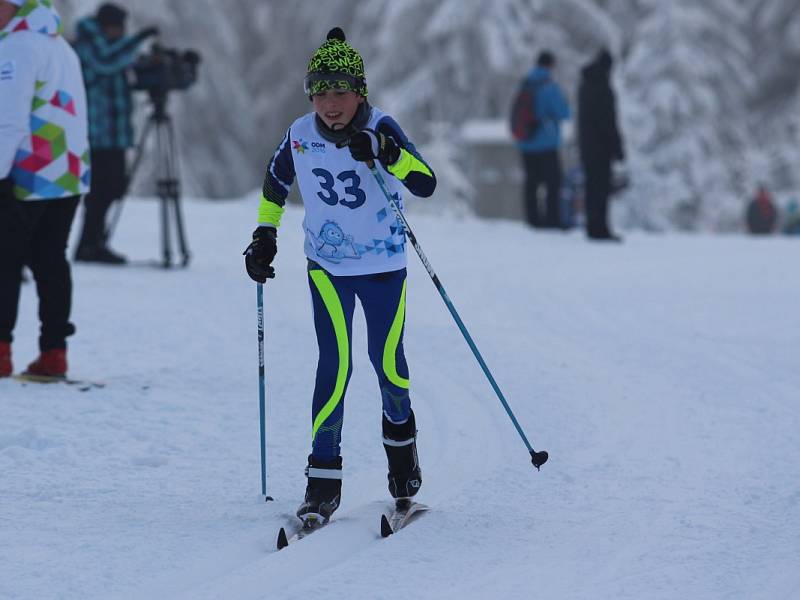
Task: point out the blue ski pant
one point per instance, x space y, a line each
383 298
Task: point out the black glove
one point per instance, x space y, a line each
147 32
258 256
368 144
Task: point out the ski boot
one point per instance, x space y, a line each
51 363
6 368
323 491
400 443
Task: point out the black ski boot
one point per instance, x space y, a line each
323 491
400 443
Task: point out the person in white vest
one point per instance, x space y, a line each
44 169
356 248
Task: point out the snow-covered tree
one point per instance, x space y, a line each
774 104
707 91
687 81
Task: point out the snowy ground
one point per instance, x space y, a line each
661 375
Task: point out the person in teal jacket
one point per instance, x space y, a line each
540 151
107 55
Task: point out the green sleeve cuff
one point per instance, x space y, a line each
269 213
406 164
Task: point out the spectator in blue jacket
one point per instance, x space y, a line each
540 152
106 53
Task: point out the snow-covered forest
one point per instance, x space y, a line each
708 92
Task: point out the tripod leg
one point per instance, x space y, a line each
185 256
165 182
129 175
165 241
176 195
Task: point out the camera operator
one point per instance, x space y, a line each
106 54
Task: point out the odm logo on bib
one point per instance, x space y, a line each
301 147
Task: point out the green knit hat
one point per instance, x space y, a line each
335 65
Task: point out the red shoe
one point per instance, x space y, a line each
6 368
51 363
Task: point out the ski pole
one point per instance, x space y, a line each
262 391
537 458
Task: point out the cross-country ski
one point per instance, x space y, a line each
404 512
83 385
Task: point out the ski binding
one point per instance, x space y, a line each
311 522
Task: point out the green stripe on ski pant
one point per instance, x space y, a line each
334 306
392 341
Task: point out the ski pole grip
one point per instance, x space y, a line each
346 142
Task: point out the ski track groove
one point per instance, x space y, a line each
643 368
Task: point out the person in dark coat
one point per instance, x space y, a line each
600 142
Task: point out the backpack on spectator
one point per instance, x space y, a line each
524 121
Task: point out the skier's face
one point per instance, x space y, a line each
336 108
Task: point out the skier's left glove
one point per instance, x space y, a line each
258 256
369 144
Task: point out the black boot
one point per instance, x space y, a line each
400 443
323 491
99 254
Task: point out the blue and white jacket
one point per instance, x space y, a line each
350 229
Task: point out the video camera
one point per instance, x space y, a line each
158 72
164 69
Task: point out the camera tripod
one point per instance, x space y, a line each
167 180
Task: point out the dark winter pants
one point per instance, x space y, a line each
542 168
598 189
108 185
383 298
35 233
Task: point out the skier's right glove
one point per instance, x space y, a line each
258 256
369 144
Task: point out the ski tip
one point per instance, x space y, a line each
386 529
539 458
282 541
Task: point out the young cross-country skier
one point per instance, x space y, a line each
356 247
